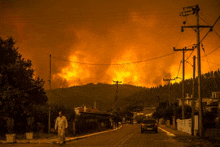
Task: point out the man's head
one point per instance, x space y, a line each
60 113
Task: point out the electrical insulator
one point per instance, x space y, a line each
182 30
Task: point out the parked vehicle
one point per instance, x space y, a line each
149 125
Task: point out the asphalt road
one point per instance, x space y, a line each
127 136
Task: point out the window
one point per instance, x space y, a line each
149 121
213 95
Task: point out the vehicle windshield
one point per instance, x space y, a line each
149 121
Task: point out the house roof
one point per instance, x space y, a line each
212 104
88 109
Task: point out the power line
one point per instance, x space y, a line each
207 24
178 40
211 52
211 70
208 62
135 62
189 55
179 69
217 34
210 29
206 35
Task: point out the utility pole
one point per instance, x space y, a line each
174 108
169 89
183 84
191 10
48 99
116 95
193 96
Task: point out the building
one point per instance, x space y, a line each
209 103
212 106
89 109
215 95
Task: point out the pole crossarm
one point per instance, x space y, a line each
117 82
190 10
194 26
168 79
184 49
200 26
116 95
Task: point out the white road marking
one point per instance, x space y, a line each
168 133
123 141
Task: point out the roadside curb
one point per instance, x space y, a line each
89 135
171 131
168 133
54 141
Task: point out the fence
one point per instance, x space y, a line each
185 125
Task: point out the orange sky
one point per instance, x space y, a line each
108 32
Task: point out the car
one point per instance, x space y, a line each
149 125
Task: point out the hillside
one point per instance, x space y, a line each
103 94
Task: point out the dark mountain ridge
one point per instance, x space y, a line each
103 94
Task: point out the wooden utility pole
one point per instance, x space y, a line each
183 84
193 96
116 95
48 99
169 89
174 108
191 10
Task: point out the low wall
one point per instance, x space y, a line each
185 125
168 123
161 121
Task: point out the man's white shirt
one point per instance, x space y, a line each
61 122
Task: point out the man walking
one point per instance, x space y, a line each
61 124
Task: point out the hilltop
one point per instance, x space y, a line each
103 94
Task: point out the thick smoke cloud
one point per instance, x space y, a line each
104 32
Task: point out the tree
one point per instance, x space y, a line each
166 112
140 118
19 90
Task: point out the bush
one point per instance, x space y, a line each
92 123
209 120
140 118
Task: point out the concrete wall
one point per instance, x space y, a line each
161 121
168 123
184 125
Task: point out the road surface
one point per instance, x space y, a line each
127 136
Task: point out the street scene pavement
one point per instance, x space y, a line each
129 136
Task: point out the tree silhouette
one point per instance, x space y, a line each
19 90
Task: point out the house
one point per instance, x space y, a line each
212 106
208 103
89 109
215 95
147 111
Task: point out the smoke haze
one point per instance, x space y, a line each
106 33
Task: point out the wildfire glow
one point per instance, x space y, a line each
123 45
74 73
128 74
